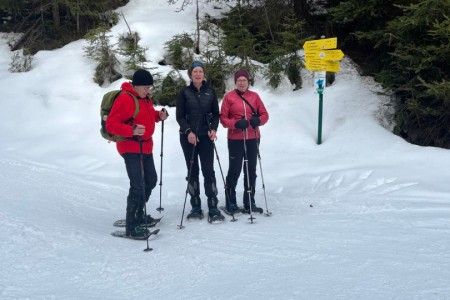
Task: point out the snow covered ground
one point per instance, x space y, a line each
364 215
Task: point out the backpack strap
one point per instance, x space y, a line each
245 100
136 107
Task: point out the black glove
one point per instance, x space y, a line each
241 124
255 121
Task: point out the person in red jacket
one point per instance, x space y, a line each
242 112
138 130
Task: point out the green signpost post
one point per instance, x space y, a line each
320 60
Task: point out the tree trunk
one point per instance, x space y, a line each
197 40
302 11
55 13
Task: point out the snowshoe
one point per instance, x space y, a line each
214 216
255 209
152 223
196 213
123 234
231 210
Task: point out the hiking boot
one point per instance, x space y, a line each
147 220
255 209
138 232
215 215
196 212
232 208
214 212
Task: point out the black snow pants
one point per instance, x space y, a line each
204 150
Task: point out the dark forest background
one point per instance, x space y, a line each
403 44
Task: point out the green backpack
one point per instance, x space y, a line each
105 109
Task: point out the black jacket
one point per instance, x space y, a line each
197 110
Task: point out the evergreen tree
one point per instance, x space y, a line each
167 91
285 53
216 60
419 71
49 24
179 51
239 40
101 50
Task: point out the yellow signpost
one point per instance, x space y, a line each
319 58
330 43
324 54
321 65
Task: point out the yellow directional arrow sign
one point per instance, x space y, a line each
322 65
330 43
324 54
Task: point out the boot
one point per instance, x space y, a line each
255 208
230 201
196 211
132 227
246 197
144 219
214 214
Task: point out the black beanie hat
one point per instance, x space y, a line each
142 77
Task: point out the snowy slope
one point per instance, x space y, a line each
364 215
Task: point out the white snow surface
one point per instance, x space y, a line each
364 215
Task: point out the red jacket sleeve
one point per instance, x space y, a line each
261 110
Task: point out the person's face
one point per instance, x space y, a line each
242 84
197 75
142 90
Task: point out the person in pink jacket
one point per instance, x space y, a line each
242 112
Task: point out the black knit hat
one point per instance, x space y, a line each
142 77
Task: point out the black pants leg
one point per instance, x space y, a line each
236 154
252 155
235 159
136 200
193 184
206 153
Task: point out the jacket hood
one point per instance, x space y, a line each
128 87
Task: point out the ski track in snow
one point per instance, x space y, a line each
329 233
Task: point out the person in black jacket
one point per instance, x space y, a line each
197 113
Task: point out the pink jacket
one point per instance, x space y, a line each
232 110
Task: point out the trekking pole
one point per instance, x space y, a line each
262 176
143 191
221 172
160 209
209 116
187 187
223 178
249 191
220 166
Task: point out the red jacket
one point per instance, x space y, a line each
122 110
233 108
